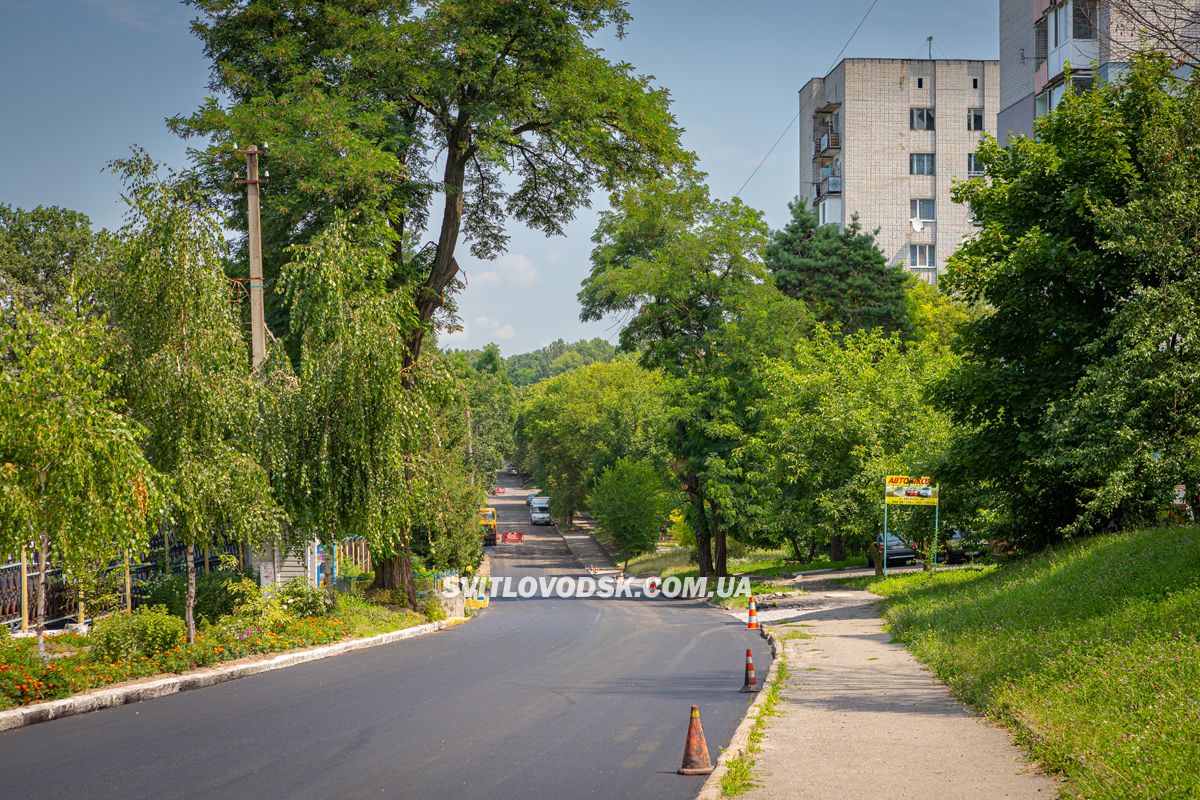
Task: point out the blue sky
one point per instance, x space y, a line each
82 80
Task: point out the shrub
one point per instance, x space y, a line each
301 599
148 631
432 608
213 597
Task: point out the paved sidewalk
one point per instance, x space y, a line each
860 718
584 546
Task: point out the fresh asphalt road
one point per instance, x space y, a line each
544 698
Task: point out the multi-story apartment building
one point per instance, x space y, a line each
1039 38
885 139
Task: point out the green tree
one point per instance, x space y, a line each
42 253
184 365
1127 432
839 273
632 500
572 427
74 483
844 412
364 101
688 272
1074 224
374 447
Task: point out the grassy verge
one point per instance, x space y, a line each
739 770
1090 653
760 563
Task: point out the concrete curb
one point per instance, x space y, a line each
711 790
198 679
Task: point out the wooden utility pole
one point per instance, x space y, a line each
258 323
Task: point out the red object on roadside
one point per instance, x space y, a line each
695 750
751 684
499 490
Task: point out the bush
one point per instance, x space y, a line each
432 608
148 631
301 599
213 598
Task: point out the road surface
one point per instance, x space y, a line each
542 698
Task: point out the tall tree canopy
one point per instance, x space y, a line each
1073 390
494 110
74 483
839 273
185 373
686 272
43 252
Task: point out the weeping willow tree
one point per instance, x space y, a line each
368 451
74 484
185 370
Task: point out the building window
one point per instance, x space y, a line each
920 119
974 83
921 255
974 167
922 209
1041 34
920 83
1084 22
974 119
921 164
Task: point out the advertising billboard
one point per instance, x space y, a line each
905 490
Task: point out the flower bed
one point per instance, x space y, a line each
72 669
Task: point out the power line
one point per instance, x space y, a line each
836 58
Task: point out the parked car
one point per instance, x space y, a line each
959 549
898 552
539 511
529 498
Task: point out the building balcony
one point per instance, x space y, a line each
831 185
829 144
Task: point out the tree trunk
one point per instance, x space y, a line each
396 573
189 604
40 597
876 559
431 296
330 562
793 541
837 548
703 542
720 562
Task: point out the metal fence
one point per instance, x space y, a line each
17 608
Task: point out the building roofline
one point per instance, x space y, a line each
863 60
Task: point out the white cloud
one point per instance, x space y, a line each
512 268
505 333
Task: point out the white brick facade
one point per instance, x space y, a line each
868 102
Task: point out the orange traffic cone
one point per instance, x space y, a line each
751 684
752 624
695 750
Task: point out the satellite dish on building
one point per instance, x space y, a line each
917 224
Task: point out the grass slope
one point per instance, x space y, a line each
1090 652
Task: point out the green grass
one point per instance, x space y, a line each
739 775
1089 652
366 618
760 563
